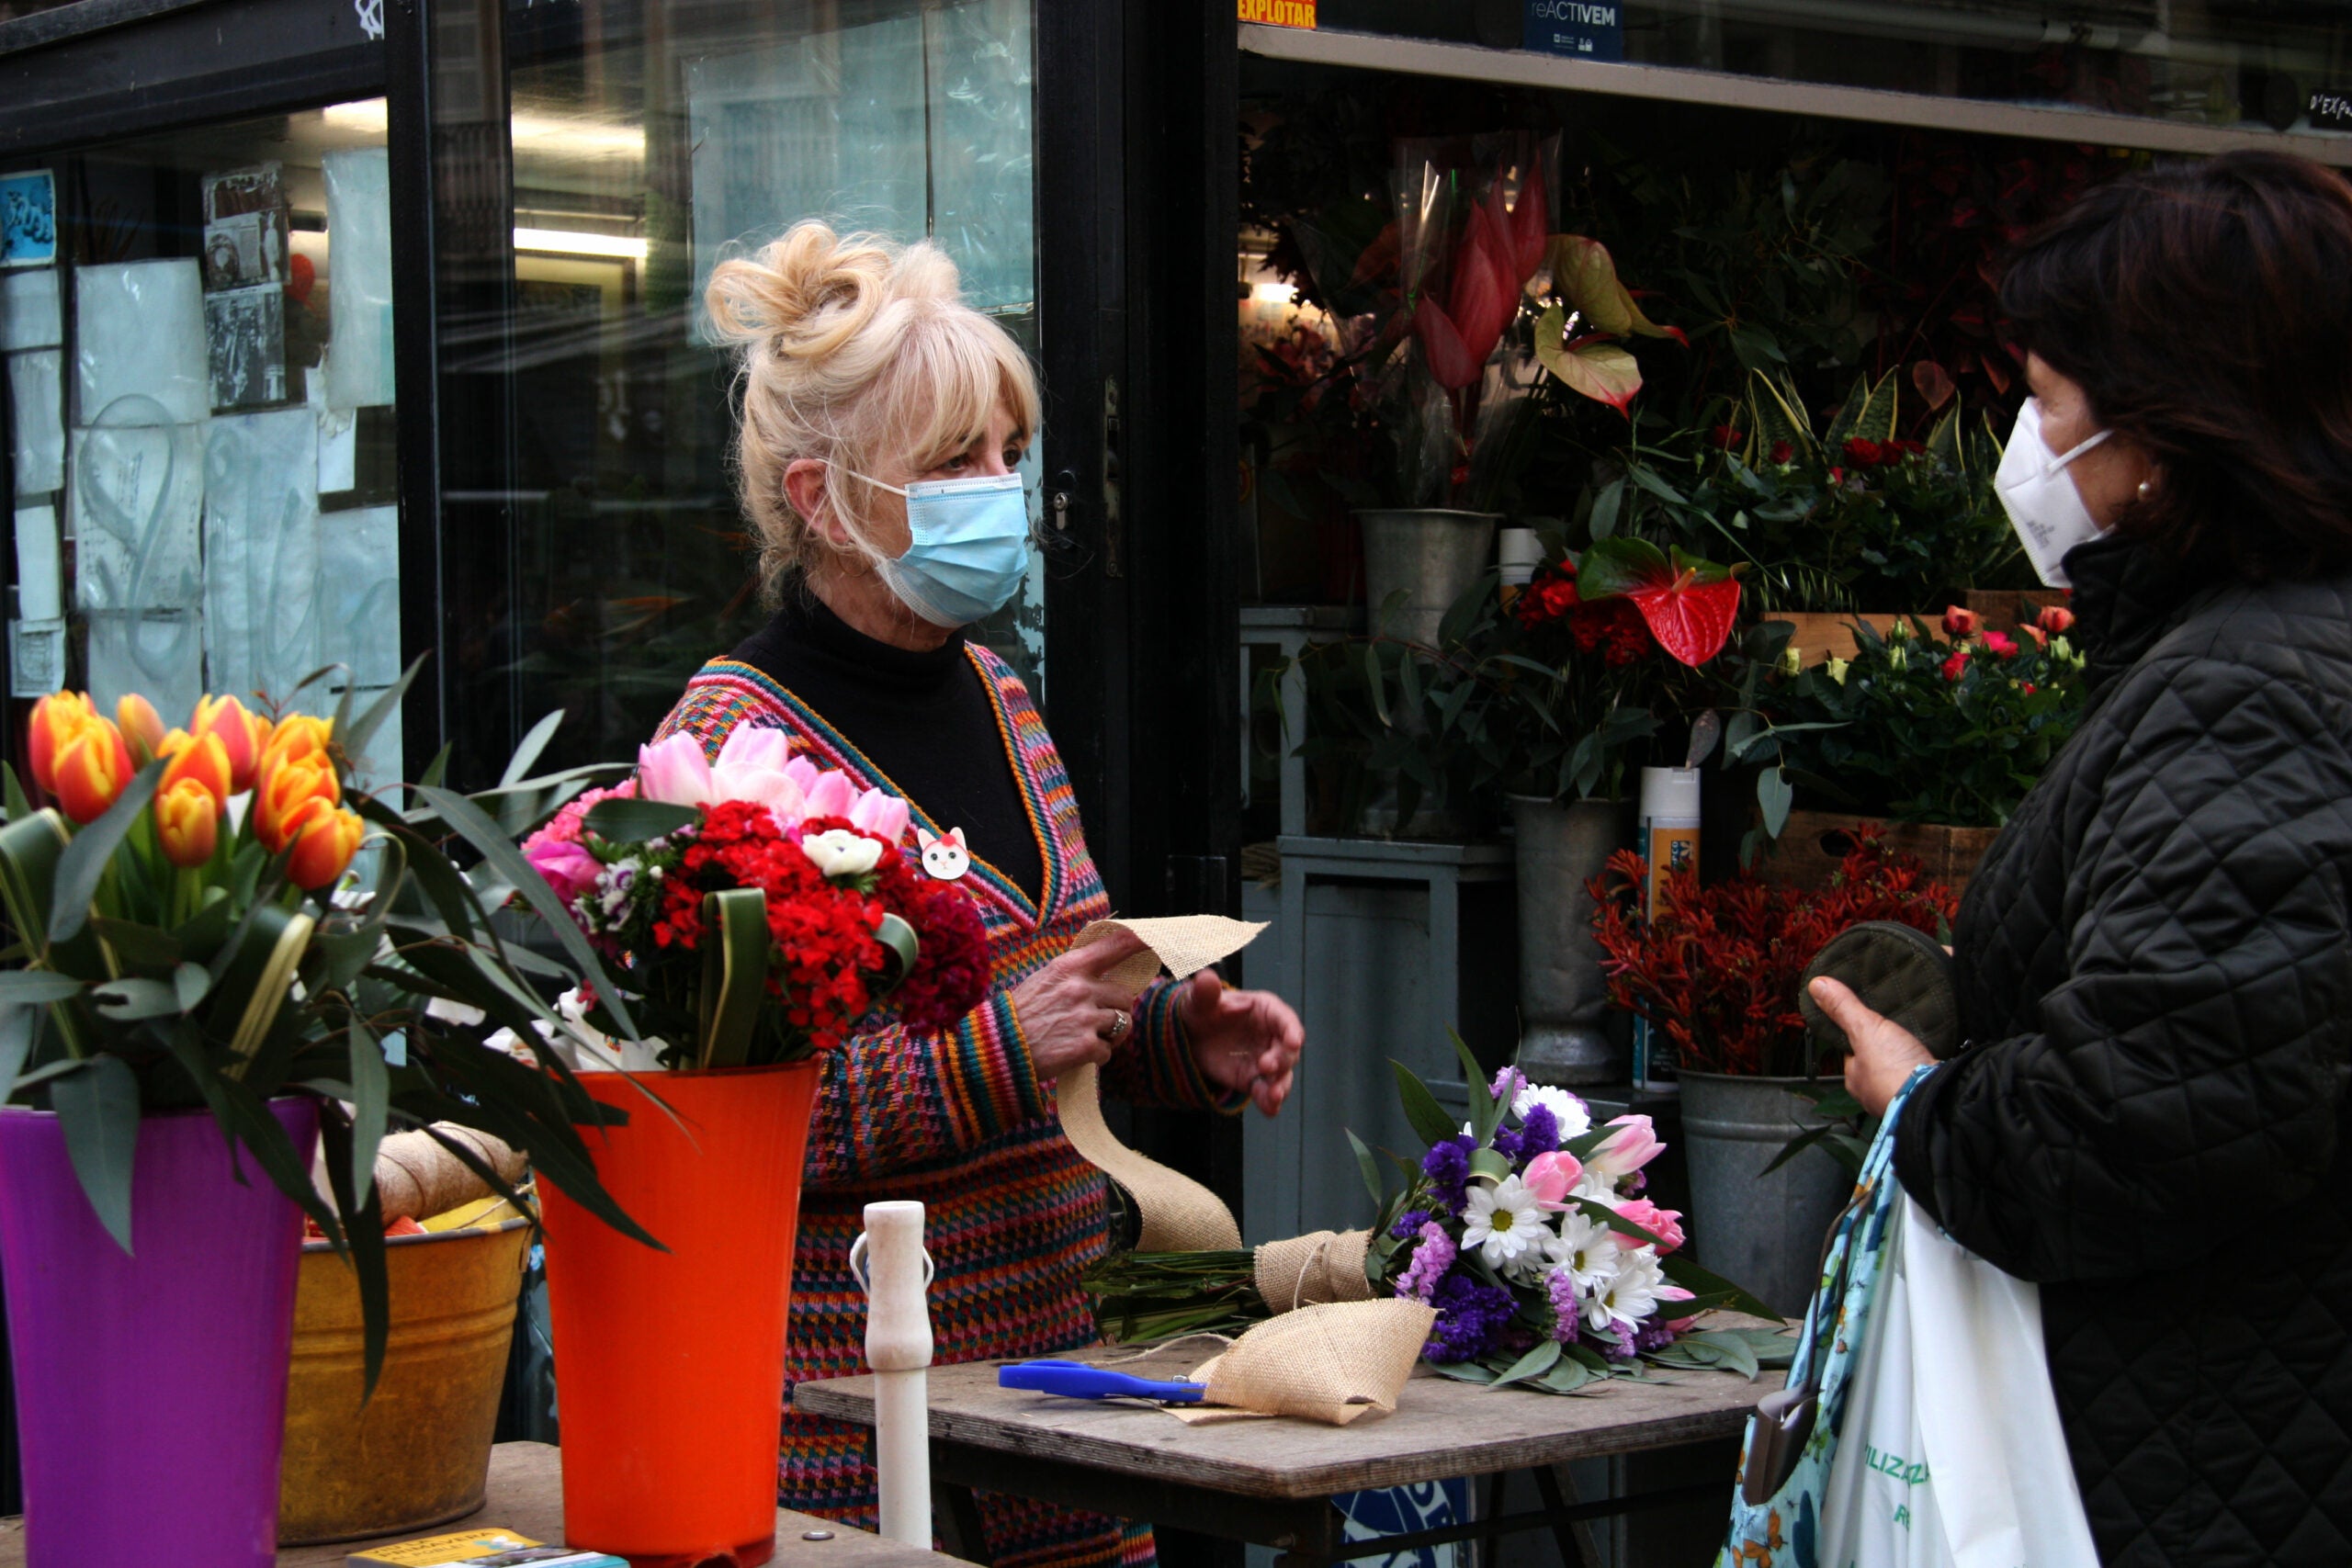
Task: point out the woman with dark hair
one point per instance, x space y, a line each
2155 960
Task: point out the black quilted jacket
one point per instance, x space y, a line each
2156 976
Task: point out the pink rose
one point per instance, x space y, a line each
1664 1223
1551 1176
1624 1152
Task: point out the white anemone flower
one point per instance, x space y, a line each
1574 1117
838 854
1631 1293
1587 1250
1503 1222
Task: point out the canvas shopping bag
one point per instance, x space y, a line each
1784 1467
1952 1455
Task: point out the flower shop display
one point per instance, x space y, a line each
209 980
1714 972
1525 1229
755 909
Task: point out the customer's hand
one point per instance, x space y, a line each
1242 1039
1070 1013
1883 1053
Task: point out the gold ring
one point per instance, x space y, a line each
1119 1025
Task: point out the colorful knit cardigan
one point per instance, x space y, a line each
961 1123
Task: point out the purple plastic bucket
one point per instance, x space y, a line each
151 1390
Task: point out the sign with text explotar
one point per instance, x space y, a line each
1280 13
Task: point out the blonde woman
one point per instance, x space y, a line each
882 421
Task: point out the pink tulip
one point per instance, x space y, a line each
757 746
832 795
1626 1151
676 771
1675 1293
1664 1223
569 869
1551 1176
880 813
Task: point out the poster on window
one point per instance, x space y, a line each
262 567
139 339
28 314
27 218
244 335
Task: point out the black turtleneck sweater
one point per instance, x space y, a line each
923 718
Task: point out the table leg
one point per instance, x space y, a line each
1490 1543
1578 1549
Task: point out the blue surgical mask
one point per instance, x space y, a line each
969 552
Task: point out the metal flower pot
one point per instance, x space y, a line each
1761 1231
1432 554
1563 996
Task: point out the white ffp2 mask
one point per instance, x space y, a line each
2040 496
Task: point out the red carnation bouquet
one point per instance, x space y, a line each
758 908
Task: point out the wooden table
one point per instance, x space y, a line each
526 1497
1272 1482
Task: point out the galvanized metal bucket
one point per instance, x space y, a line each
1433 555
1761 1231
1563 996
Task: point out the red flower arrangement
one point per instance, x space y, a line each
1715 970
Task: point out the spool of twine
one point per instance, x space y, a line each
1321 1266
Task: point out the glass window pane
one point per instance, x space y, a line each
651 141
200 392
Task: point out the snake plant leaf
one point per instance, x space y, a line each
97 1111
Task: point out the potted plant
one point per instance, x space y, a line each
756 911
199 993
1715 971
1934 739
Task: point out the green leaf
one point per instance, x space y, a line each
627 821
1567 1376
1774 794
1427 1117
734 974
1534 1364
20 806
1376 682
1622 565
1681 1270
1368 1167
1486 1107
361 1244
1463 1372
31 987
17 1025
518 766
371 1092
353 735
85 860
97 1110
1489 1163
507 862
1606 505
127 1002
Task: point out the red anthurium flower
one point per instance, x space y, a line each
1687 603
1485 291
1531 223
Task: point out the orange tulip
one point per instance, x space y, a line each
91 770
242 736
325 841
296 735
188 820
57 718
203 760
142 726
284 790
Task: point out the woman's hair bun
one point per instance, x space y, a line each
806 294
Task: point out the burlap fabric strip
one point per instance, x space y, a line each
1333 1362
1321 1266
1178 1214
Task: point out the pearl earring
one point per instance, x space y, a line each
2147 488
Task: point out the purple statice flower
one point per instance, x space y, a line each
1614 1343
1539 1132
1447 1165
1470 1318
1507 1085
1653 1336
1509 1145
1427 1267
1561 1287
1410 1223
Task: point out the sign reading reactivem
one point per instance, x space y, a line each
1589 29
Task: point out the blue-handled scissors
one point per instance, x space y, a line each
1076 1379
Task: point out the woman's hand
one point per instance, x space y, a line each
1070 1013
1242 1039
1883 1052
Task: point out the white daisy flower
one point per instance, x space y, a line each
1586 1250
1571 1113
1631 1293
1503 1222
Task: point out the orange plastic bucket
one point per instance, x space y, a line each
670 1366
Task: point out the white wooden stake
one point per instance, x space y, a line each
898 1347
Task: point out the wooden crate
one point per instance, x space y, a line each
1813 842
2005 607
1820 635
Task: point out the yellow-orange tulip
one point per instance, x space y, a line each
286 789
142 727
57 718
296 735
188 820
242 736
203 761
91 770
324 841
